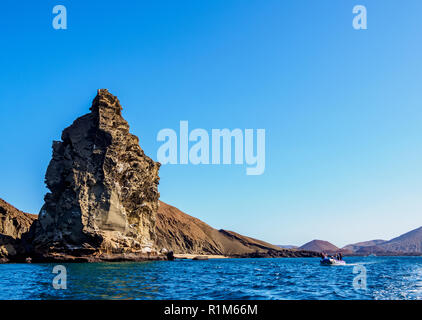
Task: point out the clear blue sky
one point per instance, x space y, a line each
342 108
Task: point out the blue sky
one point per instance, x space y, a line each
341 107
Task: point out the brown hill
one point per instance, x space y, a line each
408 243
13 222
359 245
319 246
182 233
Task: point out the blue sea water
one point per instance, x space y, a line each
280 278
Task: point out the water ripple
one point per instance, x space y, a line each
387 278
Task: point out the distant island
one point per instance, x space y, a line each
409 243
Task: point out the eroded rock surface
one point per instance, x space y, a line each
13 223
103 194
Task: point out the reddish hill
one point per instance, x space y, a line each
409 243
182 233
319 246
357 246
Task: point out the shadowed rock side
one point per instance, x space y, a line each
13 223
182 233
103 189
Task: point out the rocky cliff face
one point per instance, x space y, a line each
103 189
354 247
13 223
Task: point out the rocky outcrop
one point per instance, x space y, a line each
103 195
13 223
181 233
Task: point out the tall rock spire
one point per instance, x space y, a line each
103 188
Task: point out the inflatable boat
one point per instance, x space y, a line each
332 262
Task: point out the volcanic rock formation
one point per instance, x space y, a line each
103 189
409 243
13 223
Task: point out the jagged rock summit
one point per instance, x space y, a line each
103 195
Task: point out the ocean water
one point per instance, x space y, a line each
282 278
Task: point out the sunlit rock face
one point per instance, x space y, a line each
13 224
103 188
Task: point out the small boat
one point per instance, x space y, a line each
332 262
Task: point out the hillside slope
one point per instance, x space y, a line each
319 246
13 222
359 245
182 233
408 243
